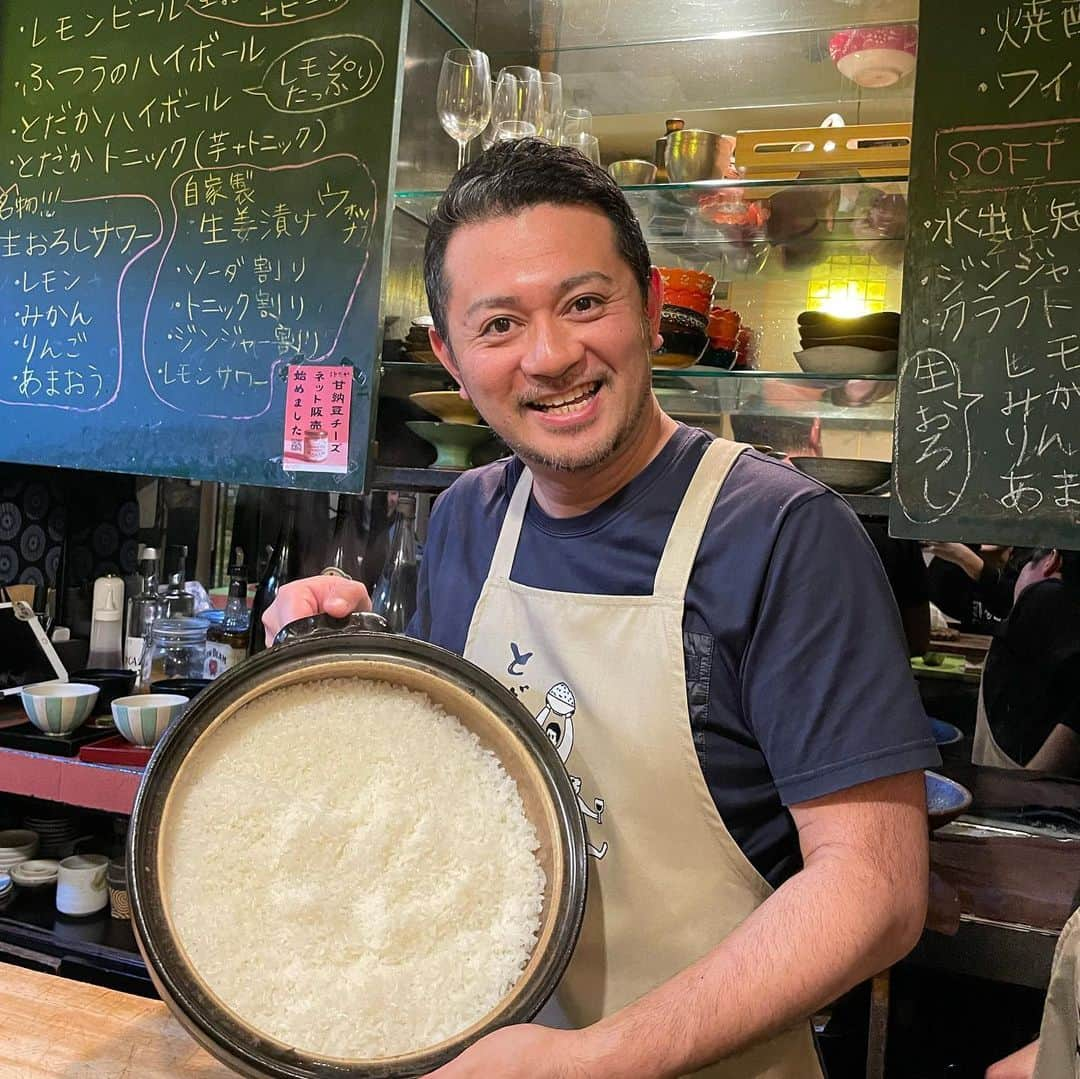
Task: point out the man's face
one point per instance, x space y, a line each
549 336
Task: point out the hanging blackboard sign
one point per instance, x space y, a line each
193 197
987 444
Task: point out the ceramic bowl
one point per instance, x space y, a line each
846 476
35 873
847 360
945 734
683 331
58 708
453 442
143 718
632 172
692 154
876 67
854 340
823 324
185 687
448 405
945 799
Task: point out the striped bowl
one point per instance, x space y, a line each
59 707
142 719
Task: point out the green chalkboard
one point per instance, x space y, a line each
193 197
987 444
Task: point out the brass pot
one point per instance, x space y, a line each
319 648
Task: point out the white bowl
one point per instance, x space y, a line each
143 718
58 708
876 67
846 360
32 874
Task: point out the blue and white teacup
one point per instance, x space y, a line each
58 708
143 718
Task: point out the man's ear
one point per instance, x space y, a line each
445 355
815 436
1052 564
654 307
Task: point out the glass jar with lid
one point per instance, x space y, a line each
177 650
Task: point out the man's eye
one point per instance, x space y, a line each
585 303
498 325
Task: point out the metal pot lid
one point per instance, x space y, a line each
314 650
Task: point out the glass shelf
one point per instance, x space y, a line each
566 25
662 376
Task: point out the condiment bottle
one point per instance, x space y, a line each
395 594
659 154
143 609
178 602
284 566
227 642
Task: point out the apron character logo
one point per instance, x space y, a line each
519 661
557 720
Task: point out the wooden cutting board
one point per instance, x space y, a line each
51 1026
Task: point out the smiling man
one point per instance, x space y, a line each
706 634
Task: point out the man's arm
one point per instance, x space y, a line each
856 907
1060 752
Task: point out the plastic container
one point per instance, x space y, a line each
177 649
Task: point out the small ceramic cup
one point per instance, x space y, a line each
80 885
58 708
143 718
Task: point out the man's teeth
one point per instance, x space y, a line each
564 405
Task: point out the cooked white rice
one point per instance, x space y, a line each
350 870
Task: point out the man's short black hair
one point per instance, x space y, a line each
512 177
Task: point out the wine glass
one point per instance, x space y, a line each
551 110
464 96
585 144
576 121
511 130
516 101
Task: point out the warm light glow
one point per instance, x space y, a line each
847 286
844 305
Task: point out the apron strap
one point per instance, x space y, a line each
502 561
681 549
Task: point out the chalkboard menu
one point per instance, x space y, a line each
987 444
193 202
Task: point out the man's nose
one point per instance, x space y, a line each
553 349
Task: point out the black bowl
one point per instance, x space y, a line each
111 682
185 687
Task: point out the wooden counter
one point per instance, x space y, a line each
51 1026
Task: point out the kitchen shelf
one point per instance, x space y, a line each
67 779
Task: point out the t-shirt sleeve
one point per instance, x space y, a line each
419 626
826 683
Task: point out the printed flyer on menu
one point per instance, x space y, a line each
317 418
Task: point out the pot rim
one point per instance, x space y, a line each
203 1016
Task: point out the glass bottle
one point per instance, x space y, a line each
348 545
143 609
395 594
284 566
227 642
178 602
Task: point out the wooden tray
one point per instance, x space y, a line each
27 736
115 750
867 149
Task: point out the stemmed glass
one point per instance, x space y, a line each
585 144
464 96
515 111
551 110
576 121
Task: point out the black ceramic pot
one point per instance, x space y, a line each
111 683
308 651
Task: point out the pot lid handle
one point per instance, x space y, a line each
324 625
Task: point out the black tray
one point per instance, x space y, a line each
27 736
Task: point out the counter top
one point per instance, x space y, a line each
50 1026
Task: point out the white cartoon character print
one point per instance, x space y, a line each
557 720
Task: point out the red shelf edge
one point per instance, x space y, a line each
108 787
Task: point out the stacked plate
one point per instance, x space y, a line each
36 873
417 346
864 345
16 845
56 834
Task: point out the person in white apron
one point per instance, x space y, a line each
689 962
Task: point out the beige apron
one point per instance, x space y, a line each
604 675
984 748
1059 1038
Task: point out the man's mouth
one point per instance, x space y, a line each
566 404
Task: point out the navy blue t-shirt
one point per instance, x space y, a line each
798 682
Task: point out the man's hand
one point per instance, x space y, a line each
335 596
520 1052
